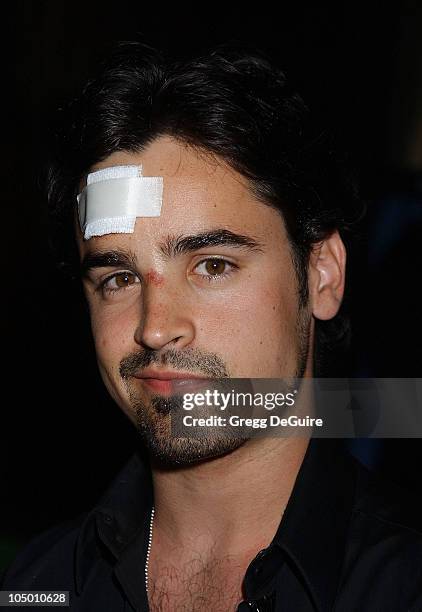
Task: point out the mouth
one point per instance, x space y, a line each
172 383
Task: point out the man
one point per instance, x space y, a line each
231 264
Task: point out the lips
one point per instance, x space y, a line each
170 382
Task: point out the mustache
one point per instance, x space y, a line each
188 360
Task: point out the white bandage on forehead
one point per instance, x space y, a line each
114 197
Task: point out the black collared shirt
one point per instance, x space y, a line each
348 542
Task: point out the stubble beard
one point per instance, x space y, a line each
153 414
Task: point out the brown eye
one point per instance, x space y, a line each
215 266
123 279
119 281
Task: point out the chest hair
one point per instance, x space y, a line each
196 586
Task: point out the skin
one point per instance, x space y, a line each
247 316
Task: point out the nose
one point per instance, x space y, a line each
166 319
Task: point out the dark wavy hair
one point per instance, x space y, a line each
233 103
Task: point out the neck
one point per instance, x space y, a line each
230 503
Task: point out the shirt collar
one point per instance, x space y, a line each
312 533
315 524
116 519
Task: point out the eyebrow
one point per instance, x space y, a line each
180 245
172 247
105 259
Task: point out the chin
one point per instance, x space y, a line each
183 452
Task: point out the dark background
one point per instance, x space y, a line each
358 65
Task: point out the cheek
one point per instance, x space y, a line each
113 333
254 329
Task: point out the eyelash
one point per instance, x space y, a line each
102 286
209 277
216 277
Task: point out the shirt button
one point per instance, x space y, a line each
248 606
258 569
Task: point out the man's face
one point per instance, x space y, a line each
208 288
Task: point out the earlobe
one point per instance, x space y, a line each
327 267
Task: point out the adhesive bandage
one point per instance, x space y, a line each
114 197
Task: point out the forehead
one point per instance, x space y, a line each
200 192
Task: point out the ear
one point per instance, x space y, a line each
326 276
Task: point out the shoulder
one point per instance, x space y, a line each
47 560
383 560
50 560
382 502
